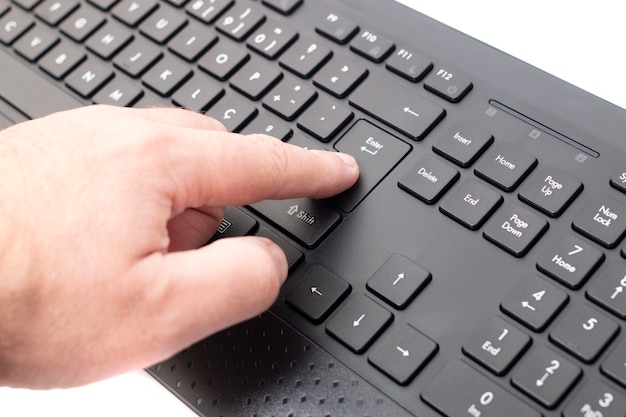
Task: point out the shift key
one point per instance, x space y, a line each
306 220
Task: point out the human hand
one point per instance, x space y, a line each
102 211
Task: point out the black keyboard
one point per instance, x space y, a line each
478 266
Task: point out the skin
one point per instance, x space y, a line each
102 212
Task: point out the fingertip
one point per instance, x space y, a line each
277 255
217 286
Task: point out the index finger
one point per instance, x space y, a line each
220 168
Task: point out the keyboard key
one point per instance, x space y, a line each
207 11
306 220
167 75
428 179
596 399
399 281
199 93
583 332
340 76
515 229
234 223
618 179
571 261
372 46
603 220
496 345
325 118
614 366
63 58
54 11
268 125
305 143
137 57
546 376
132 12
293 254
36 42
377 153
397 106
33 85
239 21
402 353
233 112
285 7
448 84
289 98
550 191
463 143
471 203
358 323
337 28
505 166
534 302
161 25
191 42
13 25
223 59
82 23
472 394
608 289
109 40
89 77
119 92
271 39
305 57
255 78
317 294
409 65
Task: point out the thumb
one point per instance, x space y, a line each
215 287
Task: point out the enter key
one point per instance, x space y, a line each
377 153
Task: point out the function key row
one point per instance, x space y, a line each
443 82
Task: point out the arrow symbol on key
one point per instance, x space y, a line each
365 149
357 322
527 305
408 110
314 290
618 291
403 351
400 277
542 381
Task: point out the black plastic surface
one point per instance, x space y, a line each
284 364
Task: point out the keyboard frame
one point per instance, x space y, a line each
464 290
